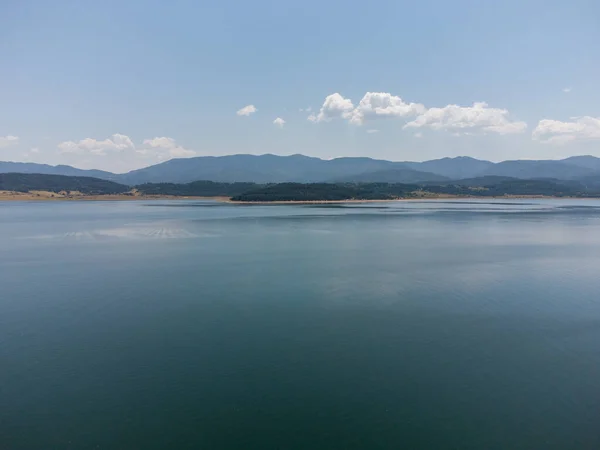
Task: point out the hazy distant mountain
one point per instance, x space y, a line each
20 167
258 169
453 168
305 169
396 175
490 180
586 161
524 169
344 167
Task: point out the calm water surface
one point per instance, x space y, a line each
199 325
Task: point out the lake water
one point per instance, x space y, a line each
201 325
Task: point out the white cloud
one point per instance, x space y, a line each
180 152
333 107
463 118
383 104
165 146
246 110
160 147
69 147
160 142
279 122
118 153
31 153
419 135
5 141
458 119
567 90
372 105
117 143
556 132
372 131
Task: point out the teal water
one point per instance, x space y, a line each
199 325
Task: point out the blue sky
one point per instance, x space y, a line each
118 85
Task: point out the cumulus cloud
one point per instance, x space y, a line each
31 153
578 129
462 119
246 110
567 90
116 143
383 104
165 146
458 119
373 105
160 147
5 141
279 122
160 142
334 106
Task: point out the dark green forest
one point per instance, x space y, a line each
384 191
196 188
489 186
25 182
327 191
514 187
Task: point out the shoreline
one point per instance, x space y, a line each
44 196
407 199
322 202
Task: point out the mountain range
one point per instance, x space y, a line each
304 169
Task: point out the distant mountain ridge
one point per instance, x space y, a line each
525 169
394 175
453 168
46 169
305 169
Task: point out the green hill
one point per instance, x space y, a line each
196 188
25 182
327 192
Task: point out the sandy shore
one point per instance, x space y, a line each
318 202
53 196
50 196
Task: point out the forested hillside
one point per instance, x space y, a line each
25 182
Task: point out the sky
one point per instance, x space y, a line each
119 85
